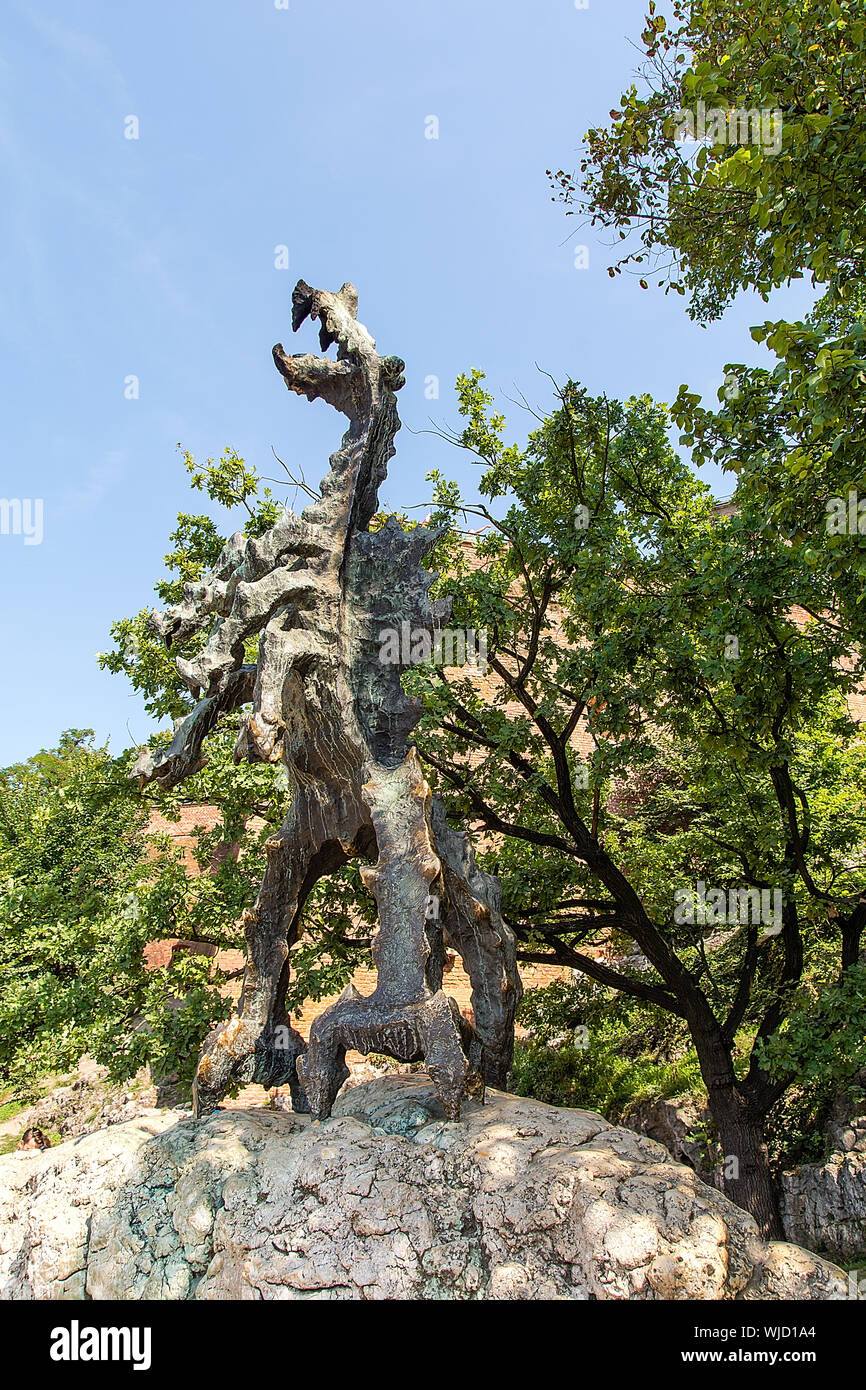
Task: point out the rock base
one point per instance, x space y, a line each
385 1200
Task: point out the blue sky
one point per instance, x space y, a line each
155 258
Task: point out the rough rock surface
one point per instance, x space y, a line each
675 1123
386 1199
846 1124
824 1204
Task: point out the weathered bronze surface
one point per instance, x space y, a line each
317 590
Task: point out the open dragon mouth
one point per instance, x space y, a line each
392 372
307 302
350 383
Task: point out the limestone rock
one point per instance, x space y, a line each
384 1200
824 1204
676 1125
846 1123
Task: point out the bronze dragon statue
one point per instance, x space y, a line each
316 591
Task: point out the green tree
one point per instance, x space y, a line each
614 596
757 206
72 865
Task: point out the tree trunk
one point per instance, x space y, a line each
745 1168
746 1176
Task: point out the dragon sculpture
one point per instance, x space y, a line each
316 591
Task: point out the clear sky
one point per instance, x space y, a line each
156 258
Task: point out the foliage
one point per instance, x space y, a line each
590 1049
694 650
71 856
597 1077
632 1052
196 545
795 1129
755 213
824 1037
787 196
